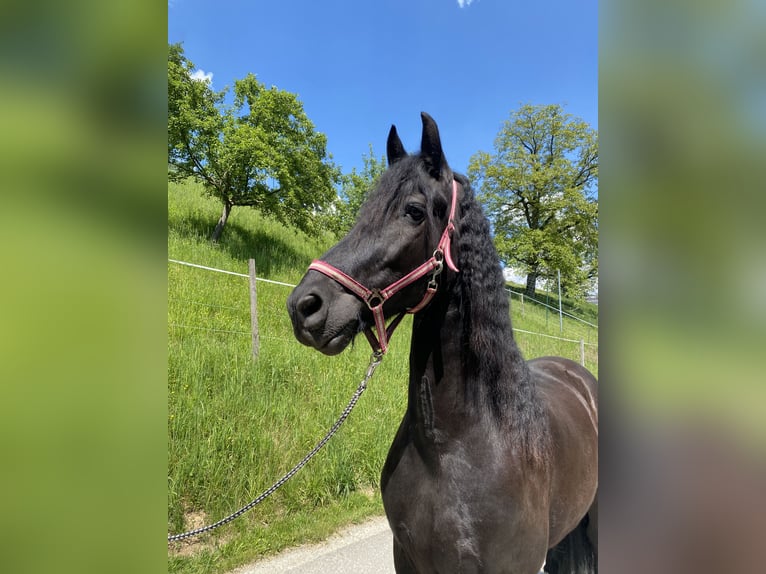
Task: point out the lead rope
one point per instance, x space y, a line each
375 360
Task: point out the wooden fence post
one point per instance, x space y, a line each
582 352
522 304
253 309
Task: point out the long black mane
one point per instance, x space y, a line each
492 361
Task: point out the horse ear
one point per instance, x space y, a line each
394 148
431 146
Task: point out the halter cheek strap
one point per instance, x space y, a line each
374 298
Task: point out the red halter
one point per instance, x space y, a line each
374 298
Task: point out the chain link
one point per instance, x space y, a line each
375 360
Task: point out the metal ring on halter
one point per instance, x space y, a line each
375 296
438 257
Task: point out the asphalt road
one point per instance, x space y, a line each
364 548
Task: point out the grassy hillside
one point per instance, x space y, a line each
235 425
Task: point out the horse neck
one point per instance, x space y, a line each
463 355
464 364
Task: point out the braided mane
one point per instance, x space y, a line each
495 371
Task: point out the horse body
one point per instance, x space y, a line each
495 460
574 437
453 501
452 517
460 491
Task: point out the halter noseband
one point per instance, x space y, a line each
374 298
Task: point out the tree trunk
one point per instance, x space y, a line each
222 221
531 284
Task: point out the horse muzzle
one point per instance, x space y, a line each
322 317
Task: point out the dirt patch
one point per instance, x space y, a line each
369 491
196 544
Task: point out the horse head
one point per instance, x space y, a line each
392 260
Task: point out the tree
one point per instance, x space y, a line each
262 151
355 187
540 192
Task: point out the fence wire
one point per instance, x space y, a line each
237 332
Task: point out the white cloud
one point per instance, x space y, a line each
464 3
202 76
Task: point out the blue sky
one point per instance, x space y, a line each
360 66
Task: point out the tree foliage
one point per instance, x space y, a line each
540 191
355 187
260 151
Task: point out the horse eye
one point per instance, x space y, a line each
415 212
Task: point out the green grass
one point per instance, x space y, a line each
236 424
536 318
582 309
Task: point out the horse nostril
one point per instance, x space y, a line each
309 305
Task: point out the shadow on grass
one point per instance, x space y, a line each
271 254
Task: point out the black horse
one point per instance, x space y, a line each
494 465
